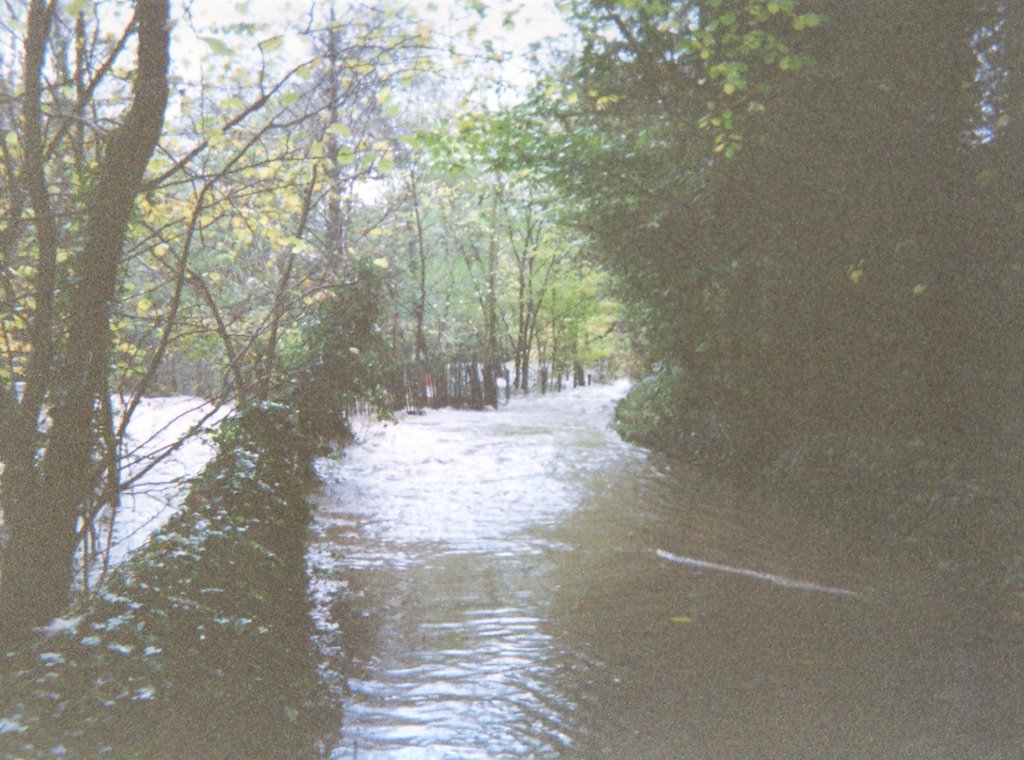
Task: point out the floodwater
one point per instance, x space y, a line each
523 584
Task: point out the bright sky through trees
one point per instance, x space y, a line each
494 36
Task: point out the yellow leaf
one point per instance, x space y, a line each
682 619
382 262
806 21
729 88
919 289
856 275
143 306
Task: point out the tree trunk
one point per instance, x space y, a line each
579 377
44 496
476 395
491 358
281 293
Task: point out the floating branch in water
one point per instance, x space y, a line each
778 580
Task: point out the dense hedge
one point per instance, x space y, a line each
904 491
199 646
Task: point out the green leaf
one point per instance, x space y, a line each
305 71
217 46
269 46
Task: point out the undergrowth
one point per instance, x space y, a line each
209 619
917 496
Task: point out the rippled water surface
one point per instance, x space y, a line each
521 583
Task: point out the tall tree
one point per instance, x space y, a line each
778 187
844 216
50 469
997 228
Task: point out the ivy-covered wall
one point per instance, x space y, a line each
199 646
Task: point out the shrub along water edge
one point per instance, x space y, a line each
200 644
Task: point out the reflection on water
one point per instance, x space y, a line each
490 585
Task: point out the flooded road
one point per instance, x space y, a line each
523 584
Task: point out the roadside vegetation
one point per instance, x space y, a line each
796 223
811 212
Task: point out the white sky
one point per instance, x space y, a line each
534 21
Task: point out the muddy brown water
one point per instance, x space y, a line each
523 584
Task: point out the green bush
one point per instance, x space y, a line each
343 357
661 413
